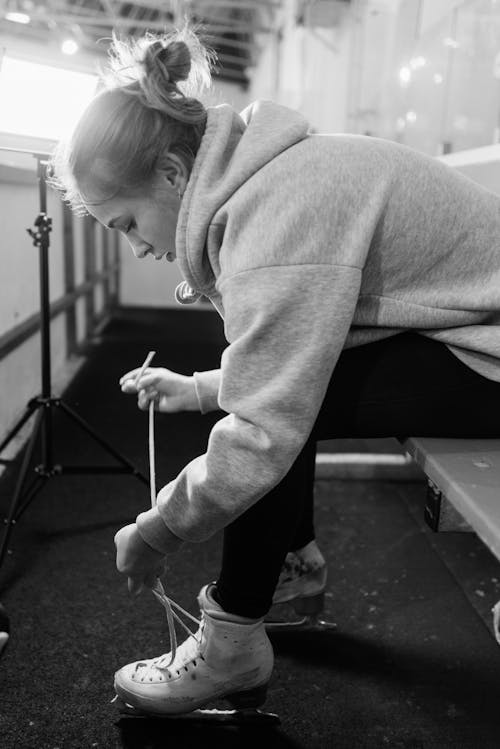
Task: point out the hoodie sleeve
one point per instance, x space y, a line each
207 389
286 326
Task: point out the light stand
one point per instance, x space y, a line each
42 405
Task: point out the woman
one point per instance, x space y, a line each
359 283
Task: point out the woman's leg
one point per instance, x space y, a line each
404 386
257 542
304 530
401 386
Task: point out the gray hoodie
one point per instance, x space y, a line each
308 244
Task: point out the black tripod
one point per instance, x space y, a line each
42 405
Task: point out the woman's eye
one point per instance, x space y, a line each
130 226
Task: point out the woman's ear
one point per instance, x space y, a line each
173 171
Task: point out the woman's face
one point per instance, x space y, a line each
148 221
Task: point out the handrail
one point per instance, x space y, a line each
24 330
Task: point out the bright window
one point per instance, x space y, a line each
40 100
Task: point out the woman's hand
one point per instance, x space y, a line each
136 559
170 391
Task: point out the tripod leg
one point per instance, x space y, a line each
100 441
30 409
10 520
29 495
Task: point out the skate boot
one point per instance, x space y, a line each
228 657
301 584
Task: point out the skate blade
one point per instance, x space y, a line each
239 717
312 623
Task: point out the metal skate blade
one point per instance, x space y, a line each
215 715
234 717
124 707
306 624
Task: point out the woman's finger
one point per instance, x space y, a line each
129 386
129 375
145 397
150 580
148 378
135 586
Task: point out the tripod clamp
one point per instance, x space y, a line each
39 400
44 226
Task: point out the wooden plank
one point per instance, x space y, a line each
105 266
366 467
69 277
14 337
89 271
467 472
114 299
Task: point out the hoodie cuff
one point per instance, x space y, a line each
156 534
207 389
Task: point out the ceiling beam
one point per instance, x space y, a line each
234 75
233 60
235 4
102 21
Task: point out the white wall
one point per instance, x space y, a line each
479 164
306 67
432 11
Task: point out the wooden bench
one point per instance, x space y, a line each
463 489
463 485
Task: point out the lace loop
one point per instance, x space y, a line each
158 590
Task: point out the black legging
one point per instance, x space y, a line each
407 385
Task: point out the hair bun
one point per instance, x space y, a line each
173 58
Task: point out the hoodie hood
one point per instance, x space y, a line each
233 148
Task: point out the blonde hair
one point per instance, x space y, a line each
149 106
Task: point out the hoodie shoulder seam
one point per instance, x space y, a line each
291 265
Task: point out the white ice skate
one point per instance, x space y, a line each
302 584
228 657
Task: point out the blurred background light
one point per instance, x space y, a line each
69 47
40 100
17 17
404 76
418 62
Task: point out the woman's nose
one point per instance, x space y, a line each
139 249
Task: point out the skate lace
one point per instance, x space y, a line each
166 660
176 658
496 621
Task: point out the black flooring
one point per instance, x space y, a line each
411 663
